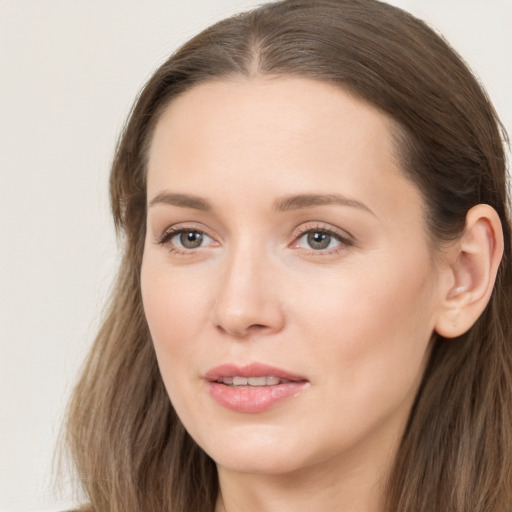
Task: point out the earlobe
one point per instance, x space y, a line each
473 263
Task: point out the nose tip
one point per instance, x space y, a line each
237 323
243 322
246 305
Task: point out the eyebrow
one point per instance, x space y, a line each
284 204
183 200
297 202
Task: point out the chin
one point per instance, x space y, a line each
265 464
263 452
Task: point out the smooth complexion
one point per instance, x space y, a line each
282 232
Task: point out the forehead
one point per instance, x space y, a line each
285 107
271 136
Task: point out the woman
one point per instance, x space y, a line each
313 307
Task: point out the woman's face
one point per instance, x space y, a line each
287 276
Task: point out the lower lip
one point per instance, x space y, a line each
253 399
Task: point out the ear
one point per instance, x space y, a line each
472 265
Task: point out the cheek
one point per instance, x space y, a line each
374 324
369 344
173 312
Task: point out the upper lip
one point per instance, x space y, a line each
250 370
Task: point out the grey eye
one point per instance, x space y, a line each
319 240
190 239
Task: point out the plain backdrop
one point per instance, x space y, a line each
69 71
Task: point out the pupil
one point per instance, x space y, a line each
318 240
191 239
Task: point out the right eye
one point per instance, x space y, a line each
190 239
185 239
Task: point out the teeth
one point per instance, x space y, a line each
257 381
251 381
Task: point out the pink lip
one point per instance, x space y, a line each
255 399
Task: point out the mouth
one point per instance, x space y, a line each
252 388
251 382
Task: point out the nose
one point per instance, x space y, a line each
248 300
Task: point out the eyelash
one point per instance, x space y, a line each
165 238
344 240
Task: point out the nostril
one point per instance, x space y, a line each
241 331
257 326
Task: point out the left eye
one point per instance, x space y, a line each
318 240
190 239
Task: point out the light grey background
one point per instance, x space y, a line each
69 71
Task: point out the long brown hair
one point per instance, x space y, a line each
131 451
